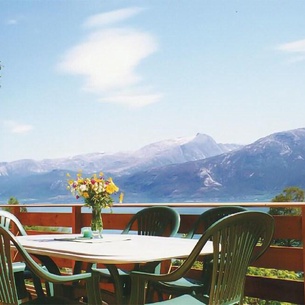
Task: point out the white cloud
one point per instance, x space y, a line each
15 127
12 22
111 17
295 47
108 60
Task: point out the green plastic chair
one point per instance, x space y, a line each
153 221
8 290
187 284
234 240
22 273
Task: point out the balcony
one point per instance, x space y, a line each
73 217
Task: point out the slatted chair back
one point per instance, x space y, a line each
8 290
210 216
234 242
11 222
154 221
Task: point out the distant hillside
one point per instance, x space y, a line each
179 170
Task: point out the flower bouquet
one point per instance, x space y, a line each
96 192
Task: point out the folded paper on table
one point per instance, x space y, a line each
91 240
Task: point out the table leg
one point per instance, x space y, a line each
52 268
118 284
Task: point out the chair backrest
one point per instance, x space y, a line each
8 291
234 239
210 216
8 220
155 221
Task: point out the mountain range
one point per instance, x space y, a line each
195 169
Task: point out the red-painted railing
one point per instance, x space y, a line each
278 257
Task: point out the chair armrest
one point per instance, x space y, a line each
54 278
139 281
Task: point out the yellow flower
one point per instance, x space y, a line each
111 187
95 190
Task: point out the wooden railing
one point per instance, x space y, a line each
277 257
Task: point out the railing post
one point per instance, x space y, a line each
15 209
303 243
76 219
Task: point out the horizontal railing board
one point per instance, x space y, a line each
268 288
46 219
288 227
111 221
275 289
282 258
186 222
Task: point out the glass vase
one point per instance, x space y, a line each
96 222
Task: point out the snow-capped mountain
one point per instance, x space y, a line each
151 156
180 170
255 172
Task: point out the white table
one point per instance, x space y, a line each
111 250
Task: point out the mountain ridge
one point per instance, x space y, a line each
262 168
183 172
177 150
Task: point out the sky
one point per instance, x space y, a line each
85 76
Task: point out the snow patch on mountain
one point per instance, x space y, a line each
207 179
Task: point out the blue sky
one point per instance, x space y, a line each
105 76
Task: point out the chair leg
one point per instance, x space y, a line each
22 292
38 287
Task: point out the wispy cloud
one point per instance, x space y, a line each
297 48
108 59
112 17
12 22
16 127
